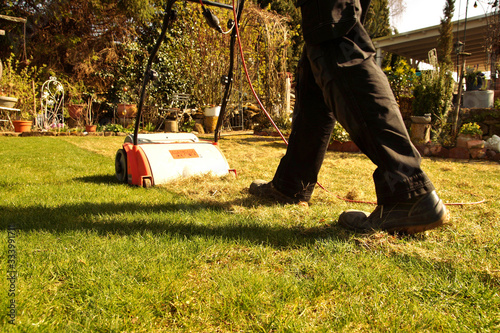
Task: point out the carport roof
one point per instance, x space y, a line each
417 43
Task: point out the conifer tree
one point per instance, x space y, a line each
377 19
445 44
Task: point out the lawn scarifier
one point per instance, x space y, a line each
153 159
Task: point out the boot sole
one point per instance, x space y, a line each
413 229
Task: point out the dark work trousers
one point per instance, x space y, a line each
338 80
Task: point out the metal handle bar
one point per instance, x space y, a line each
147 73
214 4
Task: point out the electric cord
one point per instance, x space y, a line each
228 31
268 116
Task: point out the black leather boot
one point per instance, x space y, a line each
409 217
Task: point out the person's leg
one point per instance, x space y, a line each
358 93
312 126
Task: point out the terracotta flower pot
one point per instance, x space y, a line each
90 128
75 110
22 125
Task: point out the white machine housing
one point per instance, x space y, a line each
172 155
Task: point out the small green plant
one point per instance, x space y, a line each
75 130
150 127
115 128
188 126
443 135
471 129
339 134
402 79
283 122
497 103
60 127
433 94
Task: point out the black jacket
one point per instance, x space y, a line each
328 19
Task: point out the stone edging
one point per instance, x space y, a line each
475 150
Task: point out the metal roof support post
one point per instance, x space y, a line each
378 57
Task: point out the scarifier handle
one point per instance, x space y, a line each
214 4
167 18
229 77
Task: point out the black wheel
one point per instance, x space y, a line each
121 166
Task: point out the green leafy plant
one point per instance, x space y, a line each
188 126
471 129
283 122
402 79
150 127
474 79
75 91
444 136
22 81
115 128
433 94
497 103
339 134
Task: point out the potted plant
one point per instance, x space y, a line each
474 79
91 113
402 78
341 141
76 103
24 119
20 82
76 108
468 132
125 109
88 116
477 95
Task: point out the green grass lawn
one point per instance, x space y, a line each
202 255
